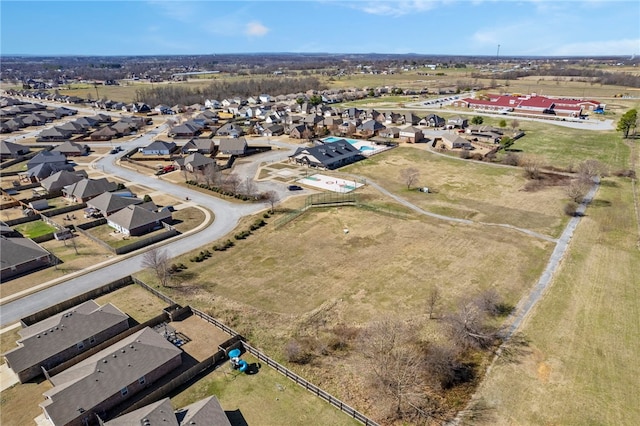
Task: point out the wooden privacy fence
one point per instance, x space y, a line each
270 362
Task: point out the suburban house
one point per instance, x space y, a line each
21 255
458 122
488 134
389 132
105 134
454 141
201 145
43 171
108 203
233 146
302 131
64 112
124 128
61 337
433 120
54 134
86 189
231 130
136 220
73 127
328 155
273 130
159 148
411 134
47 157
185 130
204 412
71 149
371 128
59 180
109 377
12 150
195 162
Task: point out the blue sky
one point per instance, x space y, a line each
472 27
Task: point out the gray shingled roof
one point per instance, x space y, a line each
89 187
16 251
59 180
55 334
206 412
108 202
88 383
132 217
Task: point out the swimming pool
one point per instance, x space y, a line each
336 138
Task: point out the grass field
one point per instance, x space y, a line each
265 398
34 229
467 189
134 301
279 283
563 146
583 362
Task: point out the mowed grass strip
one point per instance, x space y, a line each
265 398
584 359
467 189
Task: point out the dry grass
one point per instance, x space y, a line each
19 403
134 301
583 364
466 189
8 341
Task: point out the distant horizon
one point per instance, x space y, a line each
426 55
491 28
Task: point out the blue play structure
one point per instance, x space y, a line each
236 362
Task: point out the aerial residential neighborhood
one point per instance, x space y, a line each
217 222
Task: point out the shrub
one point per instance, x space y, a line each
511 159
297 352
571 208
266 215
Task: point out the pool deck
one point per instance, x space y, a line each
330 183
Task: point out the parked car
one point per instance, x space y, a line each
294 188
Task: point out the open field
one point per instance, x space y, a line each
265 398
384 265
583 363
89 253
564 147
467 189
8 341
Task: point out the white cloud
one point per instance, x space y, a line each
395 8
599 48
256 29
175 9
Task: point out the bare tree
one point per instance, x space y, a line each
232 182
396 364
209 173
433 299
410 176
271 197
158 260
577 189
469 328
591 168
249 187
514 125
532 165
307 134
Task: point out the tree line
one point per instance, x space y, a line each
173 94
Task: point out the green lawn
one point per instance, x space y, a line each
34 229
564 147
265 398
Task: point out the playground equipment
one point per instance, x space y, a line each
236 362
